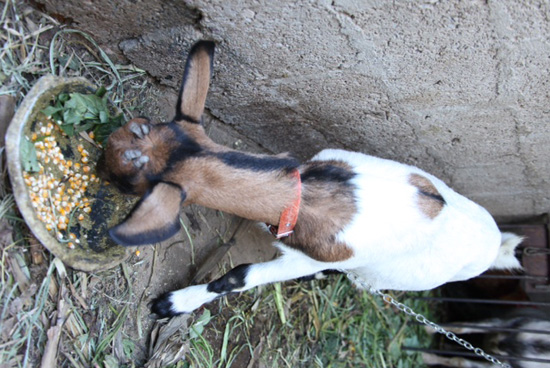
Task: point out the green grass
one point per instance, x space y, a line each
326 323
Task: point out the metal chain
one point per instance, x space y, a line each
420 318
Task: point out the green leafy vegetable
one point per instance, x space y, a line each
198 327
28 155
77 112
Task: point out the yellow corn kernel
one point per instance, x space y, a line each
80 148
86 169
80 217
87 209
84 159
138 253
70 245
62 226
92 135
34 137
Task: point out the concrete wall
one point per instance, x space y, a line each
458 88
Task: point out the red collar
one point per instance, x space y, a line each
288 218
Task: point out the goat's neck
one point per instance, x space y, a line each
259 195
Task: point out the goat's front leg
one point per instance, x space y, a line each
291 265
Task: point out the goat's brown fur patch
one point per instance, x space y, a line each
157 145
327 207
195 89
429 200
153 219
256 195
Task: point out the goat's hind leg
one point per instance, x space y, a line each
291 265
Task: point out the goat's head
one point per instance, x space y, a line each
139 157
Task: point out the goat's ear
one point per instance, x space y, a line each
196 79
153 219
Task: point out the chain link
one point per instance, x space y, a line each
420 318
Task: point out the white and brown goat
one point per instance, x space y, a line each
395 225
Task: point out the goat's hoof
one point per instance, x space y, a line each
163 306
140 130
136 157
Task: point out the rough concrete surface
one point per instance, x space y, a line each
458 88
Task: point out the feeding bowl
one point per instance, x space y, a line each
84 243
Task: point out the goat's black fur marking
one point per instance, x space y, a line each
162 306
329 173
436 197
148 237
232 280
241 160
318 275
144 238
181 116
186 148
209 47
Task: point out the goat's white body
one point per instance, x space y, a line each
396 246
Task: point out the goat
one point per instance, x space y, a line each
395 225
525 335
